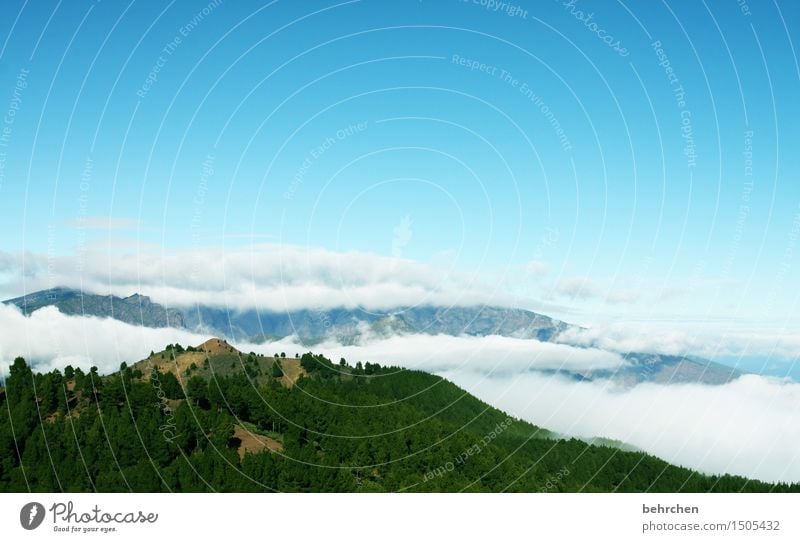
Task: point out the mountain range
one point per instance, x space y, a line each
349 326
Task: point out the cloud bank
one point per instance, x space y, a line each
492 354
50 340
707 339
279 277
264 276
750 426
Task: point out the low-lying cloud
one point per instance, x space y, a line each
750 426
50 340
491 354
705 339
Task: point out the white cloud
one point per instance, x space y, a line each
749 427
536 268
708 339
284 277
622 296
492 354
266 276
103 223
584 289
578 288
49 339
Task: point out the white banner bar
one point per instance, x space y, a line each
355 517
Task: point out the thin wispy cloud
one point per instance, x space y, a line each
536 268
577 288
103 223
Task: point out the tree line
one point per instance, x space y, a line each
342 428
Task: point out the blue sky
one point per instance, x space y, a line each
510 142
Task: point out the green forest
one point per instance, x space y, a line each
338 428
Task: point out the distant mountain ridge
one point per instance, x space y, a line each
136 309
348 325
351 325
310 326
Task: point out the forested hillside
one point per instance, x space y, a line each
236 422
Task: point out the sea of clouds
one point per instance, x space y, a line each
750 426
